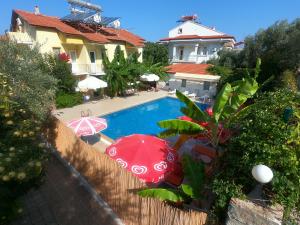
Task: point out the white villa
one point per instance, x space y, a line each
192 42
191 45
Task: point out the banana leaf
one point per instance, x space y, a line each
176 126
191 110
162 194
221 101
194 173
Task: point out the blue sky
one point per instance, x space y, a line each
152 19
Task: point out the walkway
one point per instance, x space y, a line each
61 200
106 106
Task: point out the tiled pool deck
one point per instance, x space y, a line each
106 106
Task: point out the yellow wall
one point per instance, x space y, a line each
48 39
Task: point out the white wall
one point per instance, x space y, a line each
190 51
192 87
192 28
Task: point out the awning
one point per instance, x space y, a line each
197 77
150 77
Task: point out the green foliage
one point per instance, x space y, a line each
191 189
176 126
163 194
265 138
289 80
121 72
278 48
155 53
61 71
21 151
64 100
23 67
226 108
194 173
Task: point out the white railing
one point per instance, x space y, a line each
191 59
85 69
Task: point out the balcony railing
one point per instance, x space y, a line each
190 59
85 69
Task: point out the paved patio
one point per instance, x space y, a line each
108 105
61 200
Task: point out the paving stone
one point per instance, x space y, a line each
61 200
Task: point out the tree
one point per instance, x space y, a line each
155 53
277 46
26 95
33 88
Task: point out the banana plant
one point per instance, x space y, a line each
227 106
190 189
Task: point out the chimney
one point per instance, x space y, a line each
36 10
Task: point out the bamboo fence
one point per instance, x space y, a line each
115 185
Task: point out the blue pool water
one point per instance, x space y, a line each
142 119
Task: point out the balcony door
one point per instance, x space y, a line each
73 57
93 62
181 53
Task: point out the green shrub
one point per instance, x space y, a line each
265 138
65 100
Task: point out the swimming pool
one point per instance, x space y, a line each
142 119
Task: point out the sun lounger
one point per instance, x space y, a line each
192 95
172 92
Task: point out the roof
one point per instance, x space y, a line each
188 37
123 35
189 68
105 35
47 21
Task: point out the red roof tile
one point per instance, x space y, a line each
124 35
187 37
96 37
47 21
189 68
102 37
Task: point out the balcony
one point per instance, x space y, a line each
20 38
87 69
190 59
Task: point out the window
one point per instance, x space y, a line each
73 56
56 51
205 51
183 83
206 85
199 51
180 31
93 57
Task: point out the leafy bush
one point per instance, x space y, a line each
265 138
26 95
65 100
32 87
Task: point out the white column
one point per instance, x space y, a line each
196 52
174 53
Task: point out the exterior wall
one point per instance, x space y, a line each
196 87
140 51
111 47
192 28
48 39
190 51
